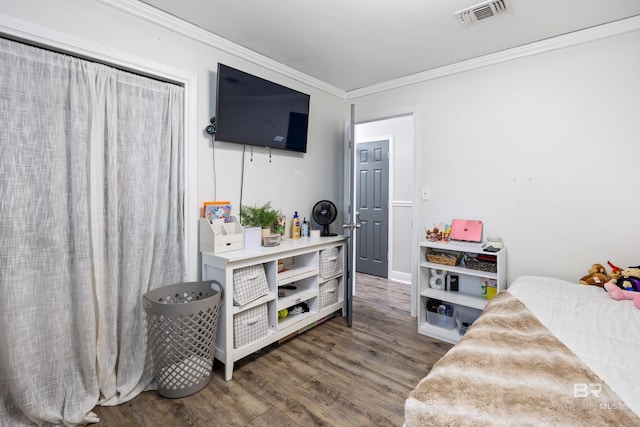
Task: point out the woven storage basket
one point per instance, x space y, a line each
182 323
250 325
328 293
330 262
475 264
443 257
249 283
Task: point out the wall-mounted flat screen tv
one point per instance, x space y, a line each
254 111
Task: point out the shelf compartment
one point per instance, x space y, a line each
293 319
444 327
308 296
306 292
294 273
296 298
450 336
263 299
297 267
444 257
460 298
460 270
475 263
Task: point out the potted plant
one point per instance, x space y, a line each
259 216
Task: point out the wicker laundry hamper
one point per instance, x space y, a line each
182 322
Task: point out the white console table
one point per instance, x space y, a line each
324 294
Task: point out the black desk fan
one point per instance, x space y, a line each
324 213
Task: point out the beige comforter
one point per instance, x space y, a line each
509 370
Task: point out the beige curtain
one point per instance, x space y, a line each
91 218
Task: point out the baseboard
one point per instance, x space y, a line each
400 277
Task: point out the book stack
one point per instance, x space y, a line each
487 258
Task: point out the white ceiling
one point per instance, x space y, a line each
351 44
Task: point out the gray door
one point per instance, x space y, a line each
372 207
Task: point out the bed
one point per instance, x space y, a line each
544 352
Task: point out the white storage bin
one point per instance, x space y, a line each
252 237
328 293
249 283
441 321
330 262
250 325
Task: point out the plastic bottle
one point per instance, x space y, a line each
305 228
295 226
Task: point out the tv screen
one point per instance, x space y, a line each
254 111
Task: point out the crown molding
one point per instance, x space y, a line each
179 26
151 14
559 42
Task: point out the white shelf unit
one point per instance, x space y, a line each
468 299
301 258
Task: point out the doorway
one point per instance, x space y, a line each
372 207
402 238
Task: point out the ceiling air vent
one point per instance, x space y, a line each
483 11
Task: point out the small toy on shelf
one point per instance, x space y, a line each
432 235
447 231
440 233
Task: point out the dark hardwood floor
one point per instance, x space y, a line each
330 375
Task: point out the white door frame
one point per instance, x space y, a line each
416 196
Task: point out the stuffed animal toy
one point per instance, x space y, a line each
597 276
630 280
618 294
616 273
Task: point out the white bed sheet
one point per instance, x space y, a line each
602 332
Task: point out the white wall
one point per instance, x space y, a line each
290 181
544 149
400 132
